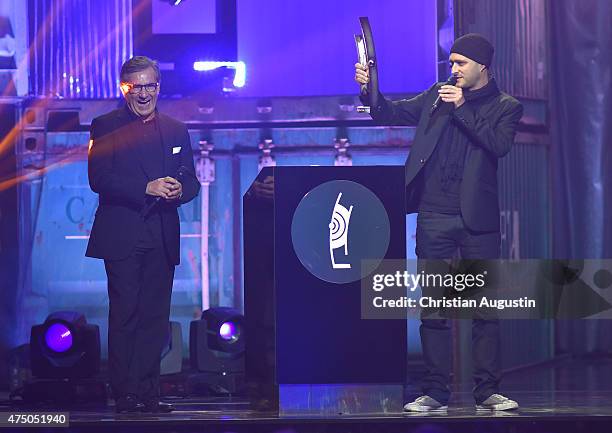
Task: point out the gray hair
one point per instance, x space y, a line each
137 64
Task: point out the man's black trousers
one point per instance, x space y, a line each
441 236
139 291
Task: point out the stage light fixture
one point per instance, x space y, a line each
65 346
216 349
58 338
229 331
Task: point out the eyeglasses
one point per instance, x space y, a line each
137 88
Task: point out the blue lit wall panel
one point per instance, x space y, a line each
187 18
307 48
221 237
80 47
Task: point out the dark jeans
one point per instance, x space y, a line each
441 236
139 292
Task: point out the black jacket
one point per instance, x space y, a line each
119 171
490 127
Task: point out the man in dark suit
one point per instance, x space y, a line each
451 181
141 165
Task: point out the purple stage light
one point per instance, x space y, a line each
229 331
58 338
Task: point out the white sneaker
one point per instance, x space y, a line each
424 404
498 402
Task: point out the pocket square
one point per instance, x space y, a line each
176 150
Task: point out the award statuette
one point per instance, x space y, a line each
367 57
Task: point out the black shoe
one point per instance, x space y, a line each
156 406
128 403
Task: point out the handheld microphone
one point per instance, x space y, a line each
181 173
452 80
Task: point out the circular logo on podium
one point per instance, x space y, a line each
337 226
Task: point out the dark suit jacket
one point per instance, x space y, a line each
119 170
490 129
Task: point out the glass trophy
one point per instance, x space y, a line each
366 55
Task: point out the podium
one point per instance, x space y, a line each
308 232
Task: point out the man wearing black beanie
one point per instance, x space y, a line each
451 181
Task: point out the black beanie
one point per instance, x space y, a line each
474 46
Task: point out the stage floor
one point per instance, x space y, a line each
572 395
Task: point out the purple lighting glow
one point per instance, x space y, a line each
228 331
239 67
58 338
